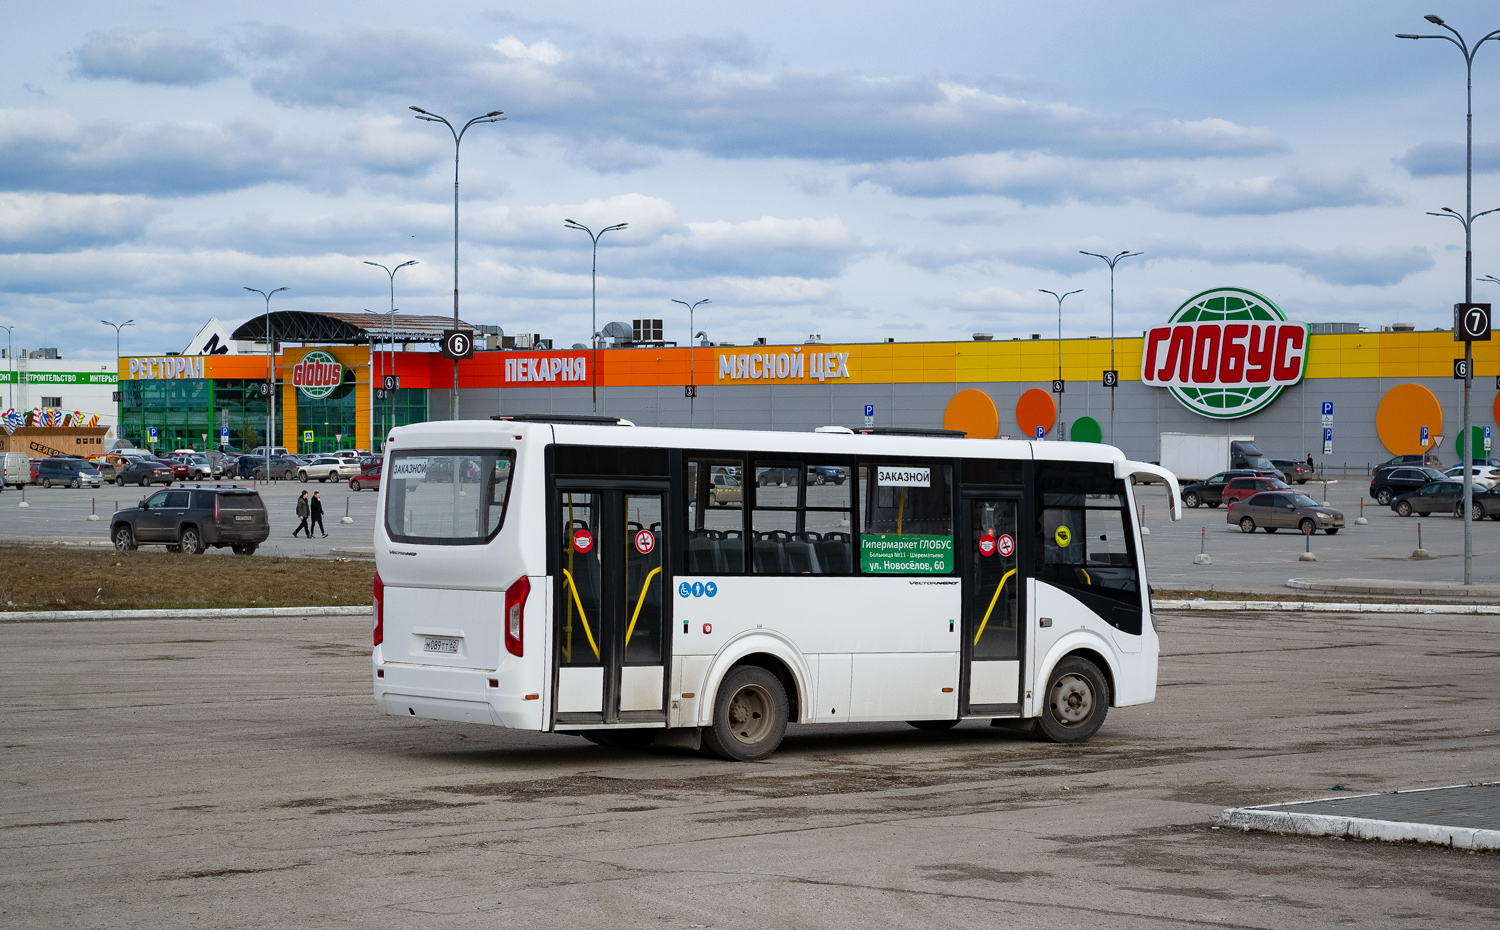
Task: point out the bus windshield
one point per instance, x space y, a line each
447 496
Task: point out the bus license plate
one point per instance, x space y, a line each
443 644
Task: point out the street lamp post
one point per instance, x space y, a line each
391 400
594 297
119 420
10 357
270 378
1111 262
494 116
692 383
1467 218
1060 299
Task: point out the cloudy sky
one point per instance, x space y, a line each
858 170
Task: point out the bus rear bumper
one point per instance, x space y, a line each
457 695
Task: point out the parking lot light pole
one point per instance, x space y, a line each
119 421
1467 218
594 297
10 356
692 384
1111 262
494 116
270 377
1060 299
391 400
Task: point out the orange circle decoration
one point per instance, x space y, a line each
1035 408
1495 409
973 412
1403 411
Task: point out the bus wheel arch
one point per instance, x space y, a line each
766 650
1084 645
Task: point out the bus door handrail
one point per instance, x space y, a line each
993 601
581 615
640 602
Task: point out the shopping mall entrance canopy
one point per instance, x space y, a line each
346 328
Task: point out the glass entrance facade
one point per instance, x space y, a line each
184 411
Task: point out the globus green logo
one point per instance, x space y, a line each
317 374
1225 353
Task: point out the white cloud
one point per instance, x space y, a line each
158 56
541 52
59 222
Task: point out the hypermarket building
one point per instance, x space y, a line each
1228 361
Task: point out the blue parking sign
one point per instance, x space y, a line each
224 434
1424 435
151 434
1041 431
1328 434
869 410
1327 408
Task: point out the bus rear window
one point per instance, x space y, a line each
447 497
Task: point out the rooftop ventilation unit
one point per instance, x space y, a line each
984 337
816 339
572 419
834 429
646 330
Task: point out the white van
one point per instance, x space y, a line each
17 469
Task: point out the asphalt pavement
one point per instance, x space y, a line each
229 773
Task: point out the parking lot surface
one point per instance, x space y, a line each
235 773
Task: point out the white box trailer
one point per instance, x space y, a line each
1194 457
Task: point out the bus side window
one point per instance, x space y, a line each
906 519
1085 532
715 493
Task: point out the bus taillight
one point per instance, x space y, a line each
379 610
515 614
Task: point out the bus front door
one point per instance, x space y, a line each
610 624
992 606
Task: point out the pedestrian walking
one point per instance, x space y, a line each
302 511
1310 466
317 515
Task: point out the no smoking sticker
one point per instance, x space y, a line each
1006 545
583 541
1063 537
645 541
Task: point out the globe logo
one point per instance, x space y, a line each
1226 353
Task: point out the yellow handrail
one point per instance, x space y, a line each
639 602
581 615
998 588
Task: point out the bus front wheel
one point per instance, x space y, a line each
1077 702
749 716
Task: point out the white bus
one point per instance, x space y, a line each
707 587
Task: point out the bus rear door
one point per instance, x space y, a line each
611 625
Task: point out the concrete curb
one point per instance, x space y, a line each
1331 608
1357 828
217 613
1395 589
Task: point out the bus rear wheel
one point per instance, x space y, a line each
749 716
1077 701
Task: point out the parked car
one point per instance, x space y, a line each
1483 476
1211 492
145 472
328 468
68 473
282 466
355 454
193 519
1294 470
826 474
180 468
1486 504
1389 483
36 466
368 477
15 469
1445 496
766 477
726 490
275 450
1240 488
1284 508
1422 460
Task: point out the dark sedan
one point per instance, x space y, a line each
1486 504
1390 483
1294 470
145 472
282 466
1445 496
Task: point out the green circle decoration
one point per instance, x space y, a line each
1227 304
1477 432
1086 429
318 374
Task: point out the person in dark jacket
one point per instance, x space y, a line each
302 511
1310 466
317 515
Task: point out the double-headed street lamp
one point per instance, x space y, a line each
10 357
594 298
118 326
1060 381
392 273
494 116
270 378
1467 218
692 383
1111 262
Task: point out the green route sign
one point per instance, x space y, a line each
889 554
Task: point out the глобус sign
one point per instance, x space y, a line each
1225 353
